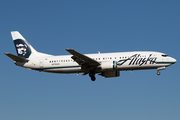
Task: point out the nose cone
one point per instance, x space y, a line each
173 60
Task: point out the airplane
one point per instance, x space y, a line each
107 65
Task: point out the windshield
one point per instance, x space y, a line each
164 55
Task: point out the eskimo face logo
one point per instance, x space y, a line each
21 48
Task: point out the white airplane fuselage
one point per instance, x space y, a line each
65 64
106 64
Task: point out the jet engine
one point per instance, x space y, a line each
108 65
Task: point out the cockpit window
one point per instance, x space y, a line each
164 55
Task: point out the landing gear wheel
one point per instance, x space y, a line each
93 78
158 73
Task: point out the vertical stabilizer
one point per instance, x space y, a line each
23 48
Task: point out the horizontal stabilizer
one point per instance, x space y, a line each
16 58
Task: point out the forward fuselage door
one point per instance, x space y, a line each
41 63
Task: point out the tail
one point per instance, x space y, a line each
23 48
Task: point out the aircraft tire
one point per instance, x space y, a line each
93 78
158 73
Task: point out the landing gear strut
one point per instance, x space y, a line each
160 68
92 75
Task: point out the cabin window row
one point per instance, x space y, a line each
56 61
106 58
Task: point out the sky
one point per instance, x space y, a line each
88 27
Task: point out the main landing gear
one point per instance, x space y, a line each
92 75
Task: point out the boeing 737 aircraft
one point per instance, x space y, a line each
105 64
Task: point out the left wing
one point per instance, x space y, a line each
82 59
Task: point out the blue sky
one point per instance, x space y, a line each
89 27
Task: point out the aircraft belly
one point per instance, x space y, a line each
63 70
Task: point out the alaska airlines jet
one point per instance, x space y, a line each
104 64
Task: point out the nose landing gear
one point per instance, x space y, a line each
160 68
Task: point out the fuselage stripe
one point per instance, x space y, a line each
43 68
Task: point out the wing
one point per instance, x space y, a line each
82 59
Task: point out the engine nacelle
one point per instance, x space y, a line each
108 65
109 74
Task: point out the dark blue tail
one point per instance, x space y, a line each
23 48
